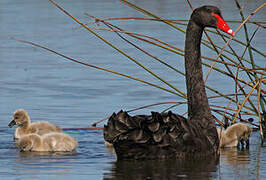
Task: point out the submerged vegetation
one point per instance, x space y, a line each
236 59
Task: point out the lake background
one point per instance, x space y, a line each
73 96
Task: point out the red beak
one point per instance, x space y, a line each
221 24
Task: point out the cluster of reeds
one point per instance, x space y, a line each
241 67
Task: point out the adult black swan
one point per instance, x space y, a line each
169 135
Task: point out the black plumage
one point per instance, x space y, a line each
169 135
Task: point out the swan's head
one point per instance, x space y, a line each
210 16
25 144
20 117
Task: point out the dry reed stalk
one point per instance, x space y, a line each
169 23
260 121
61 55
97 19
229 73
151 14
122 31
259 23
96 67
137 36
173 49
239 27
139 108
237 84
245 100
78 129
182 94
176 104
231 109
117 49
176 21
106 19
246 33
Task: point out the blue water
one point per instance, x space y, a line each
74 96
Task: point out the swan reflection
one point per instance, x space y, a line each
163 169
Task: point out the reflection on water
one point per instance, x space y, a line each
30 164
163 169
233 163
72 96
93 161
48 155
241 164
235 157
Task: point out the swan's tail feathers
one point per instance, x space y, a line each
147 135
154 128
113 129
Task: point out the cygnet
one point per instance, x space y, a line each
235 134
51 142
22 119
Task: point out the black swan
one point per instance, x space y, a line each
169 135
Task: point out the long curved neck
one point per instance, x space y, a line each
198 105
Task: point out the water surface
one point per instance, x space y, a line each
73 96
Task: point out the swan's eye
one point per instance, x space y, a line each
209 10
213 14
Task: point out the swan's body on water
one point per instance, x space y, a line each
169 135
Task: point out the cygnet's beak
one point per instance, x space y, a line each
12 123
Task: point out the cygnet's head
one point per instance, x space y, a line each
247 133
25 144
20 117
